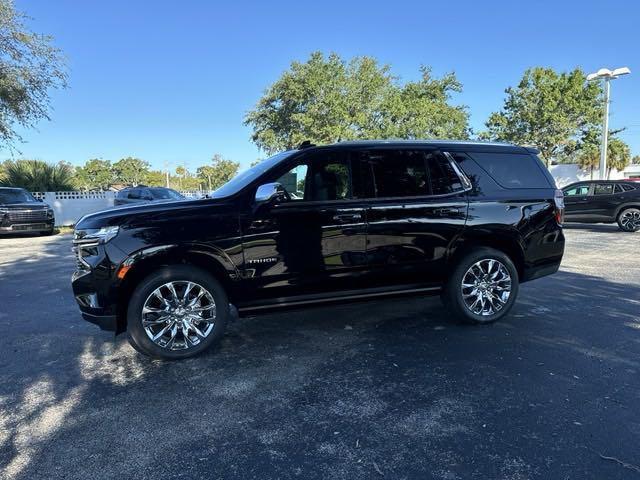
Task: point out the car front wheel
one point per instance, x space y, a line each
177 312
482 287
629 220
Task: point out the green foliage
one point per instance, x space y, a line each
29 67
549 110
328 99
96 174
636 160
131 170
618 155
37 176
218 173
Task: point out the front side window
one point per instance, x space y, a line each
323 176
577 190
603 189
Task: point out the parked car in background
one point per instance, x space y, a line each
604 201
143 194
467 220
21 212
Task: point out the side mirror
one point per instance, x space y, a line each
270 192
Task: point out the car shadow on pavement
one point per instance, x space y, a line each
391 388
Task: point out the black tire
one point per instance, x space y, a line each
452 295
138 337
627 224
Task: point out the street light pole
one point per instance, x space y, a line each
607 75
605 129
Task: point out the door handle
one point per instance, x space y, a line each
347 217
443 212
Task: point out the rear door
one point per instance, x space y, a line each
604 200
313 243
420 208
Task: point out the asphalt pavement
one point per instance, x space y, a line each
386 389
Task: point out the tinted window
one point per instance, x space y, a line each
577 190
627 187
603 189
398 173
442 176
134 194
512 170
320 177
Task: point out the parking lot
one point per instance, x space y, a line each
390 389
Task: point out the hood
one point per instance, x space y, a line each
131 214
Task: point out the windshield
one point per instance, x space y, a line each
15 196
166 194
243 179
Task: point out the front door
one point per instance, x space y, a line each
420 208
312 243
577 202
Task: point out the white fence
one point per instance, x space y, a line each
69 207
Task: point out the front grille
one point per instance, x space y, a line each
80 264
27 215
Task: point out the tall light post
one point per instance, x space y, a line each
607 75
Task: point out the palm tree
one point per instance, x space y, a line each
37 176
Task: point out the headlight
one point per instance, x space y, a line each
97 235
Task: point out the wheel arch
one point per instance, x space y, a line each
141 264
624 206
507 241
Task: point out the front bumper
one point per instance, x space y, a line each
44 226
105 322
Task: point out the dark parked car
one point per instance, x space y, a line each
21 212
142 194
604 201
469 221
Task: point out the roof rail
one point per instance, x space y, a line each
305 144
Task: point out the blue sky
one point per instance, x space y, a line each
171 81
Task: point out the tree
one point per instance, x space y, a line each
131 170
95 174
636 160
327 99
37 176
618 155
549 110
29 67
219 172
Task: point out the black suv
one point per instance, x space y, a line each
604 201
21 212
469 221
143 194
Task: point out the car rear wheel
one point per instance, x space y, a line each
629 220
482 287
177 312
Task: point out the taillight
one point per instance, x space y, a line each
558 199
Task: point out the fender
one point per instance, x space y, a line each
631 204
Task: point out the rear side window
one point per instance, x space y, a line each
388 173
512 170
399 173
603 189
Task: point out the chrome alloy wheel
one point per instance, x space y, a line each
630 220
178 315
486 287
